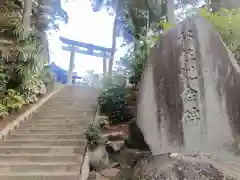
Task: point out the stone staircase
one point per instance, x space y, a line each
50 145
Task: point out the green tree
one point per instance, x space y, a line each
24 45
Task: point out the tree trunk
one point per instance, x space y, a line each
27 11
114 38
170 12
111 60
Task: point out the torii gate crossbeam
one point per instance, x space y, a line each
84 48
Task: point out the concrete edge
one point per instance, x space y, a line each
85 168
24 116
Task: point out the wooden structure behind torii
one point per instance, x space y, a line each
84 48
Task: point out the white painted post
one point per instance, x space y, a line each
105 64
71 65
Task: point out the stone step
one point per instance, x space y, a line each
47 142
40 176
50 145
55 118
52 128
70 102
59 120
64 110
64 114
42 149
82 102
23 157
57 106
55 123
49 136
47 131
73 96
58 116
39 167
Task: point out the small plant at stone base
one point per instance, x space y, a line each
93 134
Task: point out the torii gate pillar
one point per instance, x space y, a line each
71 65
105 65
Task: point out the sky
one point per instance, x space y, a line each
86 26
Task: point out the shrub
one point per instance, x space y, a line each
13 100
3 79
113 81
3 110
32 88
47 76
93 134
113 103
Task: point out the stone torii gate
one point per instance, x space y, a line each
84 48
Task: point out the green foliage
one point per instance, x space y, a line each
91 78
22 74
113 81
139 57
142 46
19 51
106 82
32 88
13 100
93 134
47 76
166 26
113 102
119 79
227 24
3 79
138 64
3 110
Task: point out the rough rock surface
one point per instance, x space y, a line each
179 167
129 157
116 136
96 176
110 172
114 146
98 158
189 92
